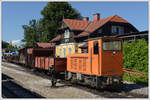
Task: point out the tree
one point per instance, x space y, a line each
45 29
32 33
12 48
8 46
53 14
4 44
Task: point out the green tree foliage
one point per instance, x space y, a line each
135 55
46 28
32 33
4 44
8 47
12 48
53 14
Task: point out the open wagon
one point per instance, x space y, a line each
44 59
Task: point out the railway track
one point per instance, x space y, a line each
11 89
8 93
129 71
107 93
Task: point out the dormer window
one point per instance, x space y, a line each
66 35
117 30
100 30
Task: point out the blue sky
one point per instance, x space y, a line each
16 14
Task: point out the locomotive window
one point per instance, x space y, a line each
111 45
96 47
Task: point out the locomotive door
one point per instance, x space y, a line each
112 57
95 55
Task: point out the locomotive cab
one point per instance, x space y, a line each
101 66
105 56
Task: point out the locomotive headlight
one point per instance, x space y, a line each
115 80
114 52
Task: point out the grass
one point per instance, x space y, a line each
136 79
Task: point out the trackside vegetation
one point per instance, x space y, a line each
135 57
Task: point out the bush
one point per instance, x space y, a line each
135 57
134 78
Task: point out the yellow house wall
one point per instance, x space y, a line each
74 47
67 51
56 51
79 50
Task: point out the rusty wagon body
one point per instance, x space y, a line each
44 58
39 58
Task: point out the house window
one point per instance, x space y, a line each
69 49
117 29
121 31
66 40
66 35
64 52
100 30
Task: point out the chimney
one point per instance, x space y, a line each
96 17
86 18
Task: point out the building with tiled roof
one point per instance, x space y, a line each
57 38
74 24
44 45
73 31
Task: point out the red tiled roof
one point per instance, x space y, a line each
45 45
76 24
117 18
84 45
57 38
88 27
97 24
82 34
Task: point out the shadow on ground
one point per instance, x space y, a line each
129 87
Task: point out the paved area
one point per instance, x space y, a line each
42 85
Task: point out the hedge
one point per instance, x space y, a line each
135 56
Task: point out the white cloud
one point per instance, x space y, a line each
15 42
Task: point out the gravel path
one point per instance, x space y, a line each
42 86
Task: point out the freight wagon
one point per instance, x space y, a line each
39 58
13 59
44 59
